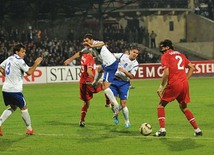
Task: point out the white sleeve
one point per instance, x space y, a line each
23 65
135 68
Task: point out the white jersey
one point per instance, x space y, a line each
15 67
103 55
129 65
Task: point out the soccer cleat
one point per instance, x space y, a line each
29 132
116 120
198 133
82 124
116 111
127 124
1 134
131 87
160 133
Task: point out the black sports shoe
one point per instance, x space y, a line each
198 133
160 134
82 124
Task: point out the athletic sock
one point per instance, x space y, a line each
161 117
84 110
126 113
190 118
6 113
111 97
26 117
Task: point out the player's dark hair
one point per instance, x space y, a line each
89 36
18 47
166 43
134 48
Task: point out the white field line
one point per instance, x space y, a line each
140 136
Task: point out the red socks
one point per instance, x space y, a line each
161 117
190 118
83 112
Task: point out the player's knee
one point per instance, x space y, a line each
163 103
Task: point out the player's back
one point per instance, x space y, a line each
177 63
105 55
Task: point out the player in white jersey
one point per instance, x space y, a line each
13 68
109 65
128 66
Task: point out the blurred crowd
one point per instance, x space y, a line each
56 51
205 8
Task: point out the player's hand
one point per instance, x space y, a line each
66 62
121 69
38 60
159 92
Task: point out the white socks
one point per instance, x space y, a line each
126 113
6 113
111 97
26 118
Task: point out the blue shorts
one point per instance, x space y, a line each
109 72
120 88
14 98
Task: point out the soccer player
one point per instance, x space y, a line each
109 65
88 71
175 81
13 68
128 66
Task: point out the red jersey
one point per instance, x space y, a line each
177 64
87 61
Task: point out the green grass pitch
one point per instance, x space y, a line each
55 114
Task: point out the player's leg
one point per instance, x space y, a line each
183 99
84 110
5 115
109 74
8 99
86 94
161 119
123 88
190 117
26 117
125 113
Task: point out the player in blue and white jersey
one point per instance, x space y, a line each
128 66
13 68
109 65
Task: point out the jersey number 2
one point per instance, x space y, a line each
180 66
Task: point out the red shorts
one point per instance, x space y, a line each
180 92
87 91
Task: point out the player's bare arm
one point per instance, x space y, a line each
2 70
99 44
131 76
69 60
191 70
164 81
33 68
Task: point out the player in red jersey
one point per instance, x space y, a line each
88 71
175 81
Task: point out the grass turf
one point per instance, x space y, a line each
55 114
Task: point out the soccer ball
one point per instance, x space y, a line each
145 129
